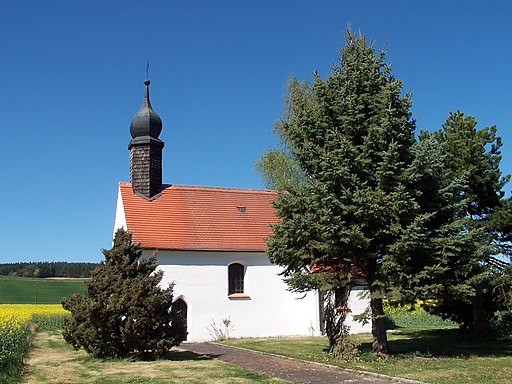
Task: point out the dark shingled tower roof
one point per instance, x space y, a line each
146 150
146 123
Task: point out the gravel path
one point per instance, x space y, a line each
292 370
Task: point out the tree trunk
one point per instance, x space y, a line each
480 323
380 339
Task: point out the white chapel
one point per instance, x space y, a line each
210 243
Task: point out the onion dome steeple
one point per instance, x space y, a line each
146 122
146 150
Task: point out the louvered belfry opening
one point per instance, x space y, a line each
146 149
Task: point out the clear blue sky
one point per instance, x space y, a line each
72 78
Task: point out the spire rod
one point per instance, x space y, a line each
146 102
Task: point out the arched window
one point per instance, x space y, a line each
236 274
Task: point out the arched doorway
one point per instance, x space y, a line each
179 310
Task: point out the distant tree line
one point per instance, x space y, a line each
48 269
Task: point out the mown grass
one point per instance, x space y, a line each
52 360
23 290
424 347
425 354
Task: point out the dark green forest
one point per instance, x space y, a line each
47 269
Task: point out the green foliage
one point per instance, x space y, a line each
501 323
357 193
415 316
364 200
279 170
49 322
14 345
24 290
472 270
501 320
124 312
477 153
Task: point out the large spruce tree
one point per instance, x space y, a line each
476 267
124 312
351 197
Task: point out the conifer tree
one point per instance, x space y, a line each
124 312
357 206
473 268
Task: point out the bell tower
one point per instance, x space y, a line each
146 149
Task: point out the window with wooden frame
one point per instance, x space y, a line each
236 273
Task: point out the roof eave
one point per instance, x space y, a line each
203 249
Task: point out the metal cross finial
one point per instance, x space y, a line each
147 69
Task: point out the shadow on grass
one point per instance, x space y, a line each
178 355
443 343
173 355
187 356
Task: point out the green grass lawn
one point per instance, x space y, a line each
52 360
425 354
23 290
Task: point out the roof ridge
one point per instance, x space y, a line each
208 188
214 188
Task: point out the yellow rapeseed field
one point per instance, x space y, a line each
20 314
15 320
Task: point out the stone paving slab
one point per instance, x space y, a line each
293 370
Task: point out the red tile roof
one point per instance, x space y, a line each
200 218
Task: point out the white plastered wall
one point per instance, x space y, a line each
120 218
358 303
201 279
